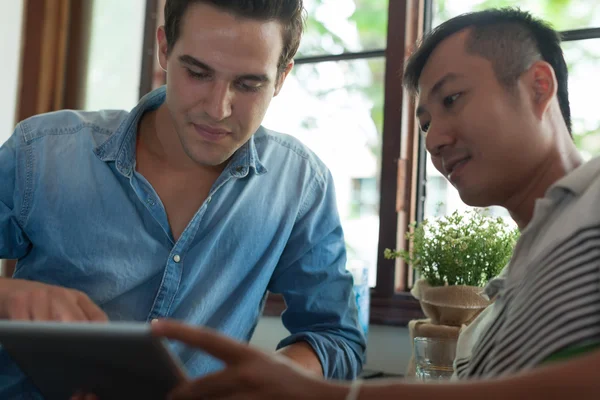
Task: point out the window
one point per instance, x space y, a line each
582 53
364 197
333 102
344 26
344 100
583 57
562 14
115 54
335 108
10 27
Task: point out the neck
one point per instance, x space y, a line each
158 136
557 165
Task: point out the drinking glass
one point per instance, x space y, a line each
434 358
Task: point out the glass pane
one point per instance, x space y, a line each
336 109
338 26
562 14
582 58
115 54
11 22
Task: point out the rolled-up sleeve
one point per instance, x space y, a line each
317 288
13 241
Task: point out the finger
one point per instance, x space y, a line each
91 310
40 306
217 385
20 308
65 310
80 396
234 396
215 344
239 396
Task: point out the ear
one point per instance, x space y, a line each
282 77
163 47
543 86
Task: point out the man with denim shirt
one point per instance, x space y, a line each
184 207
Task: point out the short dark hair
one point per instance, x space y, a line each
290 13
510 38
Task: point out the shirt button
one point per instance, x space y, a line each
176 258
150 201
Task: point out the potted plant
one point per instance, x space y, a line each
455 256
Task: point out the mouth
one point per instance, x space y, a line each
454 168
209 133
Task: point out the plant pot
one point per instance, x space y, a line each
450 305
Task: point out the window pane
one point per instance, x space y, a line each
115 54
338 26
11 22
563 15
336 108
583 58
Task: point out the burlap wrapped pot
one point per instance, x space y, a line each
450 305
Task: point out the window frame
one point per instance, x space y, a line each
401 188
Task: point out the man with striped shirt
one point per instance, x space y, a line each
493 104
498 126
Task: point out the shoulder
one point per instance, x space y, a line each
99 124
278 148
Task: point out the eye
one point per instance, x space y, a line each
198 75
449 100
248 88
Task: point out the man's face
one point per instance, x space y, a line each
483 137
221 77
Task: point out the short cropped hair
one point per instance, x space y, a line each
510 38
290 13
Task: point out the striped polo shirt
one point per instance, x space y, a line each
548 301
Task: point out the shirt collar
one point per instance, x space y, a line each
120 147
578 180
496 284
246 158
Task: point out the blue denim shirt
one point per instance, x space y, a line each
76 213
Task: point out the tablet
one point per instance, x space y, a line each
116 360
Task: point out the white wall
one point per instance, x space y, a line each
388 348
11 19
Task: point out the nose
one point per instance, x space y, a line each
218 101
439 135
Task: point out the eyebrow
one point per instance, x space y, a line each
451 76
189 60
